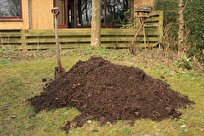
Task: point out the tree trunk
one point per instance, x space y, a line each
181 27
96 23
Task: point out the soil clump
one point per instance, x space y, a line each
107 92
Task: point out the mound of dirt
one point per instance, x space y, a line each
104 92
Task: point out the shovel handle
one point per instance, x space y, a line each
56 12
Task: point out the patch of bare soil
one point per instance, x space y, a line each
104 92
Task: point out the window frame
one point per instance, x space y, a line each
13 18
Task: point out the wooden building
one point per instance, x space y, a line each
36 14
29 24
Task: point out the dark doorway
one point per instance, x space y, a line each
71 14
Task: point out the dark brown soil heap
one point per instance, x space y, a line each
104 92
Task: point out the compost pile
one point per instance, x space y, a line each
107 92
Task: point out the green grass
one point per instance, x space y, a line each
21 79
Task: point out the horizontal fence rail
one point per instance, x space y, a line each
72 38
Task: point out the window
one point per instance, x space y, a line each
113 12
84 12
10 9
117 12
78 13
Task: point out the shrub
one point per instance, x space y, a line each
194 19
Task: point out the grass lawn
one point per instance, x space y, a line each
20 78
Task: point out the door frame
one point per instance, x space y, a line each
66 15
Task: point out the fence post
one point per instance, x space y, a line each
23 39
161 27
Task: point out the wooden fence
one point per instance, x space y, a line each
72 38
